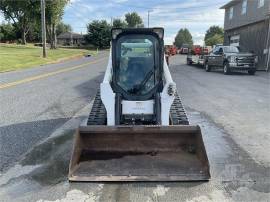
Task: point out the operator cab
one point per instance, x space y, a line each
137 61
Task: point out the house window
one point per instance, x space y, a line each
260 3
244 7
231 13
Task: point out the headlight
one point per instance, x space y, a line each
256 59
232 59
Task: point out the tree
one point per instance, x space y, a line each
183 37
99 33
118 23
216 39
21 13
62 28
213 30
7 32
134 20
34 33
54 12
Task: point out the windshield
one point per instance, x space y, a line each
230 49
136 63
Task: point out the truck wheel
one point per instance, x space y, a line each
251 71
226 68
207 67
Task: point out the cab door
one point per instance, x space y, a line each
212 57
219 57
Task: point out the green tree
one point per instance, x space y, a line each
34 34
213 30
21 13
99 33
118 23
133 20
54 14
7 32
216 39
62 28
183 37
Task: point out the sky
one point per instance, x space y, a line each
195 15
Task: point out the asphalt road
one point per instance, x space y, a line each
41 107
32 110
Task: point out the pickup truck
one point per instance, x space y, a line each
229 59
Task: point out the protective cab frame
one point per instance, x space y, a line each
162 95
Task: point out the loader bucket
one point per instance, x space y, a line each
139 153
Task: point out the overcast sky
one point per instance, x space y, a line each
196 15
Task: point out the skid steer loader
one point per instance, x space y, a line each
137 129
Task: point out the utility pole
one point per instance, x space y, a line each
43 27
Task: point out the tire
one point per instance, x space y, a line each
207 67
226 68
251 71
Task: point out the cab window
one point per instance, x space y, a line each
136 63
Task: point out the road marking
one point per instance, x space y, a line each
41 76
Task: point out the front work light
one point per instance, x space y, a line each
159 32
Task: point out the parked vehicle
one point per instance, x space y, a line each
206 50
195 59
230 59
173 50
184 49
170 49
196 50
196 55
217 45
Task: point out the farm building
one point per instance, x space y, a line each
246 25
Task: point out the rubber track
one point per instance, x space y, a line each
98 115
177 112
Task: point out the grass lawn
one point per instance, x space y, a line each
14 57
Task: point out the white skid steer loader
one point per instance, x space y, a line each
137 129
